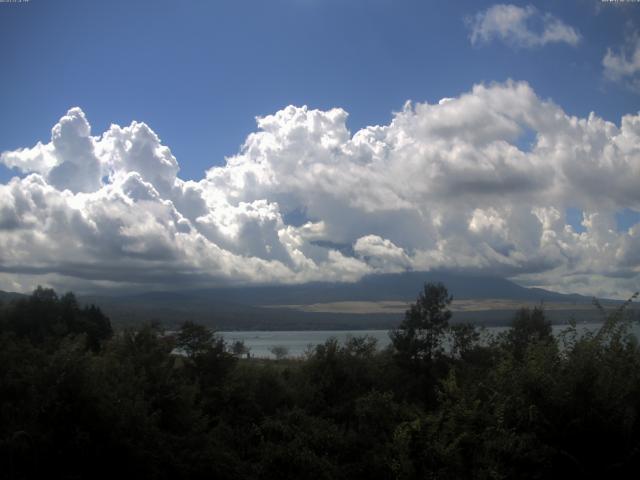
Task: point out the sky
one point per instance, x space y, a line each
153 144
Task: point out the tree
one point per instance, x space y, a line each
44 317
207 360
194 339
419 337
464 338
95 325
238 348
529 326
279 351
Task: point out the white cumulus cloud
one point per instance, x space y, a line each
525 27
442 186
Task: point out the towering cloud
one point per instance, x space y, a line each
478 182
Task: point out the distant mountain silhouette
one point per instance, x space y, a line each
243 307
397 286
6 297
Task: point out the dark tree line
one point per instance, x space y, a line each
78 400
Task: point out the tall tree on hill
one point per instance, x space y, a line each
420 336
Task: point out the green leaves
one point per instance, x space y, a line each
420 336
441 403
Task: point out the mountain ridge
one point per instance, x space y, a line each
268 307
377 287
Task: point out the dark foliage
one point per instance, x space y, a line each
443 402
45 319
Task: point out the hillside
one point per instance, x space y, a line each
320 305
376 301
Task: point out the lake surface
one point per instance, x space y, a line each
297 343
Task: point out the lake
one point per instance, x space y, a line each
297 343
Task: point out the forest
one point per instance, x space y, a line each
79 399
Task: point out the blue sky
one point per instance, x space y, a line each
199 72
499 178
